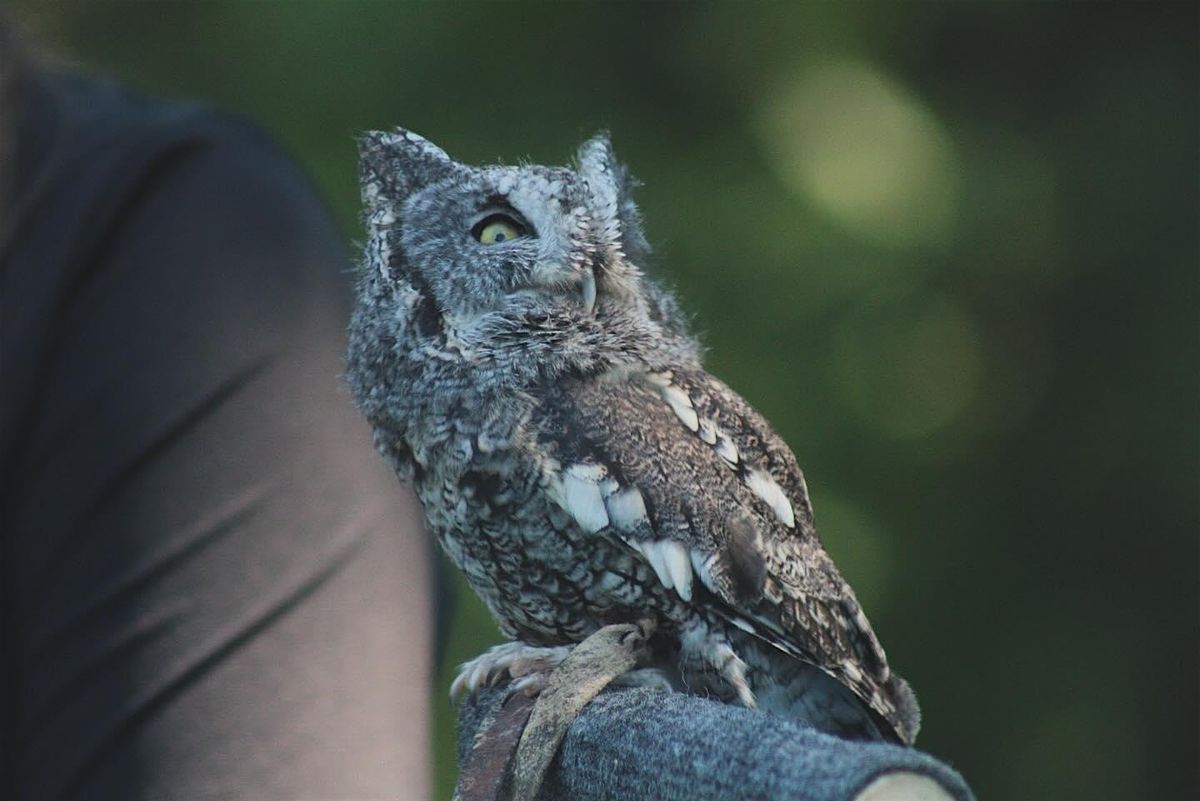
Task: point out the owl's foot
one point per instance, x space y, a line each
732 669
703 654
606 654
529 666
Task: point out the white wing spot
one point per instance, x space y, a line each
727 450
659 380
676 557
766 488
669 558
626 509
655 557
708 431
580 496
681 404
675 397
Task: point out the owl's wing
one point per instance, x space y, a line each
681 468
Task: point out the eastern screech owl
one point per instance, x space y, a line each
544 398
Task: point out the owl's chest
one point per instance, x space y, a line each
487 507
543 577
491 516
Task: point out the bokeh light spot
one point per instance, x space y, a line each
909 370
861 148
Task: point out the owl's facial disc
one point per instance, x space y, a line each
536 222
483 239
577 281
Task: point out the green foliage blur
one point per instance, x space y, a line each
949 249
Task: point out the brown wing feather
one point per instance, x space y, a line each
670 435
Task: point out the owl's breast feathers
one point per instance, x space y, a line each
679 467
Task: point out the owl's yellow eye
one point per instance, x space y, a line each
497 228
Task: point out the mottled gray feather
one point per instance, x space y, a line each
544 398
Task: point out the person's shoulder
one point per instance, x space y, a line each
88 143
114 178
100 112
85 132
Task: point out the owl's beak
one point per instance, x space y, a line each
588 290
566 278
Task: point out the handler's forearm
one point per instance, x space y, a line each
641 745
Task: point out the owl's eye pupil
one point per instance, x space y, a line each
497 228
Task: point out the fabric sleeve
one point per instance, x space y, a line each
218 589
639 744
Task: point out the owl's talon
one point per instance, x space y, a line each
531 684
705 653
638 632
526 665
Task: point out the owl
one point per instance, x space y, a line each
543 396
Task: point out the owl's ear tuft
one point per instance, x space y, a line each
599 165
596 155
394 164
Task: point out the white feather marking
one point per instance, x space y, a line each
676 557
727 450
766 488
654 556
742 624
581 497
626 509
708 431
688 416
669 558
659 380
676 396
682 406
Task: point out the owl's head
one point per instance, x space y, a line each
475 240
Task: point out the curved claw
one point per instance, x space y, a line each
514 660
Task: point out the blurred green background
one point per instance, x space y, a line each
950 250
